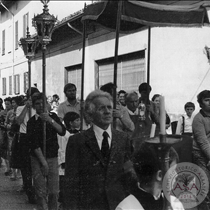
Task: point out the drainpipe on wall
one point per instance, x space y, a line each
13 41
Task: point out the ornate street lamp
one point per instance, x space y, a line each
29 45
44 24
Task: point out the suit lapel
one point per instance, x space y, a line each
92 143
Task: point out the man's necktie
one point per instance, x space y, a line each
105 146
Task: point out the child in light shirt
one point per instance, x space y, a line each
184 126
72 123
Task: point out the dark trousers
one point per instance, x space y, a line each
61 185
25 167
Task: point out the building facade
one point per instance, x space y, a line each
179 68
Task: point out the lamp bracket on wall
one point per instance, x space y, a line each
207 52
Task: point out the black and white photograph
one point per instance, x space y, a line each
104 105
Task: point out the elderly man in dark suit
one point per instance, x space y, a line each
96 159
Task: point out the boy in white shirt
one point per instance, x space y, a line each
184 126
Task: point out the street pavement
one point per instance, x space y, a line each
10 196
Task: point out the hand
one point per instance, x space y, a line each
29 103
45 169
151 107
157 108
167 126
45 117
8 126
117 113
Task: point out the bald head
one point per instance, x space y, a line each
132 100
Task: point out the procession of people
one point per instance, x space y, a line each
107 164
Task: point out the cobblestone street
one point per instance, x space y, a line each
10 196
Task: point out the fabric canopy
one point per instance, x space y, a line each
137 14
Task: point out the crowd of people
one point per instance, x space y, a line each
102 161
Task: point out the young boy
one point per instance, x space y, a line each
184 126
44 163
72 122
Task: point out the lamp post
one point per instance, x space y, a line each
29 45
44 24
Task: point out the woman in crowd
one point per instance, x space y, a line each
201 132
12 129
121 97
4 141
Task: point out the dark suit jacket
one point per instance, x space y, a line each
89 184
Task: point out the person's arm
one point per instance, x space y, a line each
42 160
56 125
60 112
200 136
20 116
7 122
7 117
122 114
153 110
126 120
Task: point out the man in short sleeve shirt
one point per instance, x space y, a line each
71 104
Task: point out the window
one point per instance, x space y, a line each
4 86
17 84
9 39
25 24
74 76
3 42
10 85
16 35
26 82
130 71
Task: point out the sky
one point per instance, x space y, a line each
58 8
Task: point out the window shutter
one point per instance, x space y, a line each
10 85
16 35
4 91
3 42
